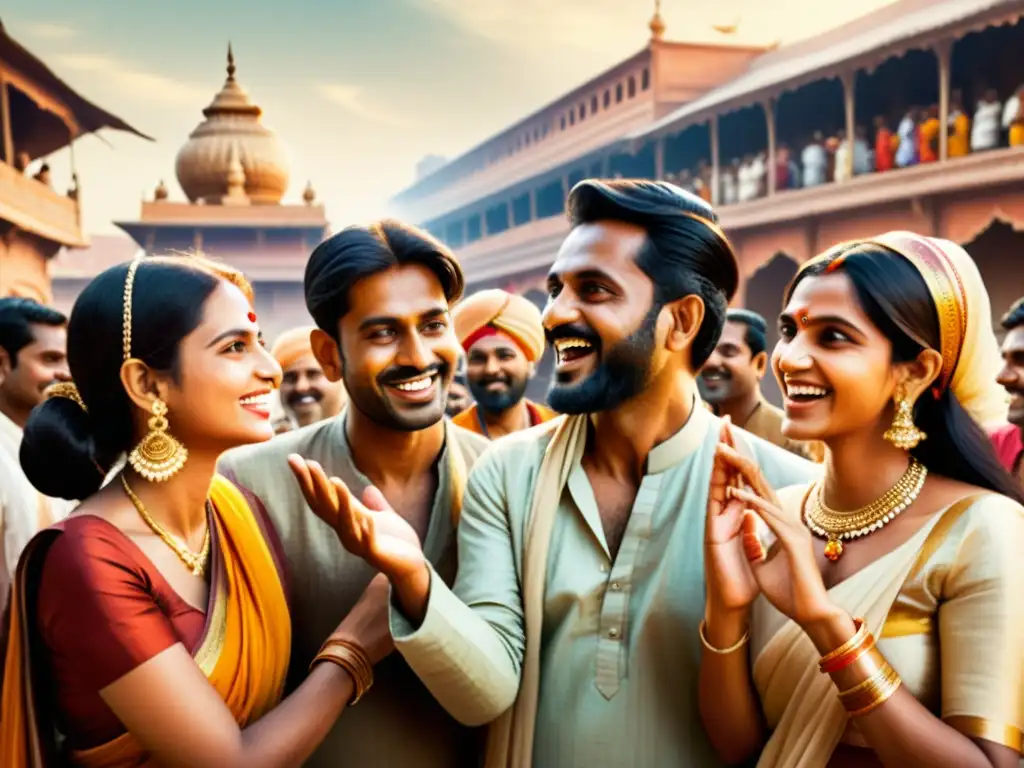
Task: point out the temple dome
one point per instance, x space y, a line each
232 134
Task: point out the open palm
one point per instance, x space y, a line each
368 528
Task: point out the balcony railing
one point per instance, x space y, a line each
34 207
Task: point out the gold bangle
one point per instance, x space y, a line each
832 662
352 659
722 651
881 697
860 694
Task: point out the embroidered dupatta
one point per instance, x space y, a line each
244 651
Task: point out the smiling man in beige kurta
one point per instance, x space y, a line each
573 622
380 297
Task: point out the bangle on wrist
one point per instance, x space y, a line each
722 651
861 642
880 681
352 659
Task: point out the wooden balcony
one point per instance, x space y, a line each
38 209
532 246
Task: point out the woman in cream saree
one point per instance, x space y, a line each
892 635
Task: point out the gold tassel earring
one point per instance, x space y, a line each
158 456
903 433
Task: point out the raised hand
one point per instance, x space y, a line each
367 528
727 536
788 575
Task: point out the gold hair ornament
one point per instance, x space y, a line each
158 456
68 391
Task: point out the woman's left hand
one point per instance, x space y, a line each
788 574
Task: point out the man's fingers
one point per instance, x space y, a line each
301 472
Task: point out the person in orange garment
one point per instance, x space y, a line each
503 338
885 146
928 137
959 143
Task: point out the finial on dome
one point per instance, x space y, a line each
657 24
160 193
231 63
236 180
308 194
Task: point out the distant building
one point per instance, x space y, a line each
429 165
234 172
675 110
39 114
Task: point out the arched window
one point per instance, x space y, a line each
593 104
583 111
632 86
561 122
645 79
618 93
607 97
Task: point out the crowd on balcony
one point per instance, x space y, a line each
915 139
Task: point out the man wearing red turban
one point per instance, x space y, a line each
503 338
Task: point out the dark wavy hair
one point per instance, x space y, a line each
66 451
896 299
757 329
17 316
683 256
355 253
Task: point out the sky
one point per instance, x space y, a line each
359 90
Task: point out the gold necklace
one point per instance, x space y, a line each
834 526
195 562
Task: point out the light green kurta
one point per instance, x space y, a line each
398 723
620 645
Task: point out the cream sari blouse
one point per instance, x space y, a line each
948 609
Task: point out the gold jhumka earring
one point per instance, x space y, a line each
158 456
903 433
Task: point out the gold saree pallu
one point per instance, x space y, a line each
244 652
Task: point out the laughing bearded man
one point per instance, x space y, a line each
574 620
380 297
503 338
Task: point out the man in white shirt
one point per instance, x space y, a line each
985 130
33 344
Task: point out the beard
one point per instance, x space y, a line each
498 402
622 374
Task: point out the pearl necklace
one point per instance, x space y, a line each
194 561
835 526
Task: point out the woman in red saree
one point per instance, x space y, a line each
151 626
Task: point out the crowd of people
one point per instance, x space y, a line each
912 140
365 546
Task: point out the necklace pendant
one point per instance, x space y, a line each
833 549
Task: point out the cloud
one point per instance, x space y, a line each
49 31
351 99
148 86
533 24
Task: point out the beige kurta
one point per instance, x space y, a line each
397 723
620 648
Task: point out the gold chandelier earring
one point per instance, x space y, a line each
158 456
903 433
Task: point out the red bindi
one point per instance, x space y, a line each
252 317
